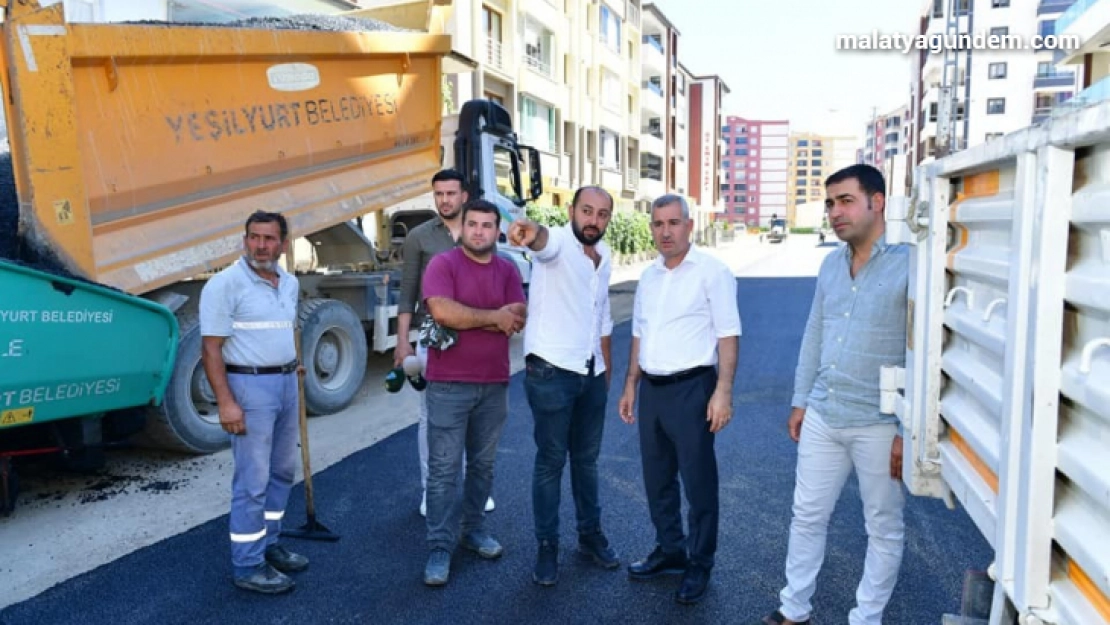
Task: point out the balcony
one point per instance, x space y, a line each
631 178
1053 6
495 56
651 99
652 141
652 56
538 65
1089 22
1097 92
1051 80
651 184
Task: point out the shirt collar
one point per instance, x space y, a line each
877 248
692 257
257 278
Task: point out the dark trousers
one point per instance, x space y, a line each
675 441
569 413
462 417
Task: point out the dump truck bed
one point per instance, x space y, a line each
140 149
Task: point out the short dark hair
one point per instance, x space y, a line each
263 217
444 175
869 178
481 206
593 187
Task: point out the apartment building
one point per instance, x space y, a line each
570 72
963 97
885 136
812 158
755 170
658 104
707 149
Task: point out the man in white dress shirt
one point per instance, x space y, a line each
685 344
567 358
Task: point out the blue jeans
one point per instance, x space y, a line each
265 464
461 416
569 413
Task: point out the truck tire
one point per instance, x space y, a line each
333 351
188 419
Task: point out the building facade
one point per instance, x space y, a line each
755 170
707 95
813 158
964 97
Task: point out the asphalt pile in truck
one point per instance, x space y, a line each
14 248
334 23
9 209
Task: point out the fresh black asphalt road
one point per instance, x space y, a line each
373 573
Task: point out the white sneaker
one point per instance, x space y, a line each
424 504
490 505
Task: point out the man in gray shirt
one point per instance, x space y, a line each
857 324
247 317
421 244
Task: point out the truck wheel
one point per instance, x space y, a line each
333 350
188 419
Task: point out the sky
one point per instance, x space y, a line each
779 57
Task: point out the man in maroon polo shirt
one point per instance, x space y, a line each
477 296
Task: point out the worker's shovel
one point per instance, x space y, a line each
312 530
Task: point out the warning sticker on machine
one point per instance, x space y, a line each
18 416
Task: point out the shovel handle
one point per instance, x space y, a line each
302 416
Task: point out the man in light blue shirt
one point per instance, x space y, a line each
857 324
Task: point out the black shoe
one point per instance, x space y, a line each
547 564
694 584
266 580
284 560
658 563
596 546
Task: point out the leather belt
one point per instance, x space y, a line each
536 359
289 367
678 376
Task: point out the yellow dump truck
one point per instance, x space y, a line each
138 151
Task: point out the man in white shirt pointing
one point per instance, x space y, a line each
566 347
685 344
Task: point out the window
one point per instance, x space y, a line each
537 124
610 29
610 156
999 4
996 70
996 106
1000 31
491 25
938 8
610 90
993 135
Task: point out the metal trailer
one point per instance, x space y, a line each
1005 393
